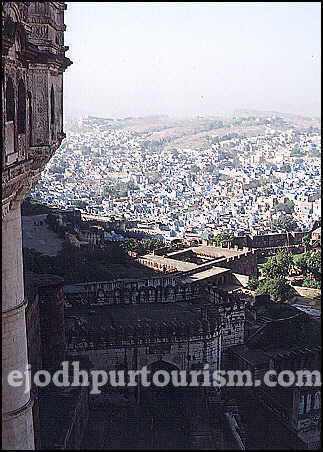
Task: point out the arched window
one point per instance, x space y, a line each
10 101
308 403
52 106
30 117
301 404
21 108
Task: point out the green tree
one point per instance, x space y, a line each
254 183
300 262
306 240
309 263
314 264
221 239
287 207
277 288
209 168
142 246
120 189
311 283
253 284
286 223
268 191
278 266
296 151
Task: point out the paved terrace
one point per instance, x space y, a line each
202 276
216 251
172 263
37 235
216 255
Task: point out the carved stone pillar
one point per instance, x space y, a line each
17 424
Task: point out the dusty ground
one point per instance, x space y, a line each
39 237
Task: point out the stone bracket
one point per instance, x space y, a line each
15 413
16 309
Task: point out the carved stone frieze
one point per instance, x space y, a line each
21 146
40 111
40 31
46 21
23 9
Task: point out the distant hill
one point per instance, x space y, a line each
259 113
97 118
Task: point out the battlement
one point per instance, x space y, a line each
140 333
269 240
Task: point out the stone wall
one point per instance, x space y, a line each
182 354
154 290
244 264
51 304
269 240
267 252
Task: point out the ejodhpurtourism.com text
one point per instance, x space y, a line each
70 375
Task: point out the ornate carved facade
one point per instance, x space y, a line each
185 325
34 59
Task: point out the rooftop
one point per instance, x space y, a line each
252 356
179 265
105 316
214 271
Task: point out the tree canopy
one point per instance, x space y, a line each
278 266
120 189
221 239
287 207
277 288
286 223
309 263
142 246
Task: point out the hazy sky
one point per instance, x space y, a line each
141 58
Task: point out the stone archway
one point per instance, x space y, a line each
161 364
165 407
155 395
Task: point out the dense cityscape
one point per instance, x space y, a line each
239 175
